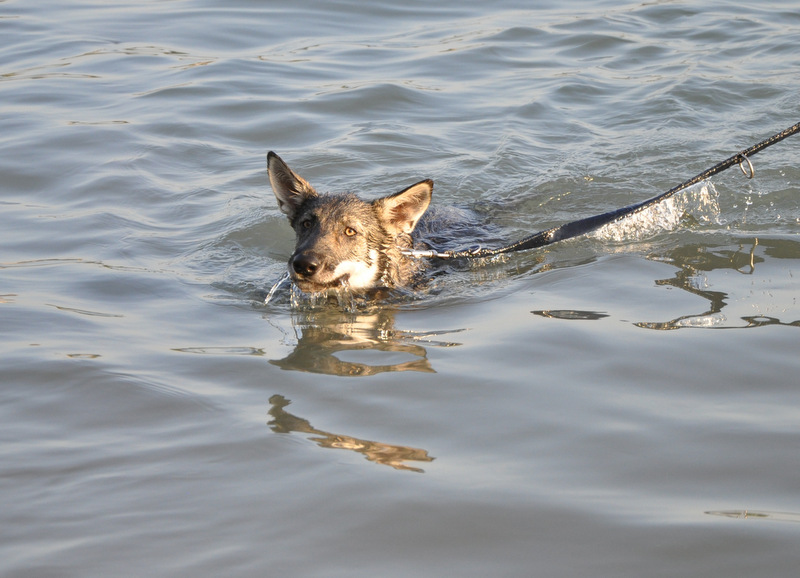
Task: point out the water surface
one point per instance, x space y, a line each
623 404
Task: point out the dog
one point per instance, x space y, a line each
344 242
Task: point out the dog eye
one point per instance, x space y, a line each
350 231
306 224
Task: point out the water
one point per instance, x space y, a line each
623 404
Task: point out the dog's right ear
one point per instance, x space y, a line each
290 188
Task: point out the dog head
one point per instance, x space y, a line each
343 241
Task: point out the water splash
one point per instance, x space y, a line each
278 284
700 203
343 296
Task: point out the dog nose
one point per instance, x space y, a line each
305 264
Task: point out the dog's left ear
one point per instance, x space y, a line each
401 211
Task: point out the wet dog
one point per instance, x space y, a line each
345 242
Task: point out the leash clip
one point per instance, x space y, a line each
422 254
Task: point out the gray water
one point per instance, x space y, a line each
623 404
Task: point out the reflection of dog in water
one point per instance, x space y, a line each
328 337
380 453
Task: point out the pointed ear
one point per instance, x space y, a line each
290 188
402 211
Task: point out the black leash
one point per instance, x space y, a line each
589 224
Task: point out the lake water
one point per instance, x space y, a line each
622 404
